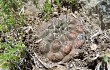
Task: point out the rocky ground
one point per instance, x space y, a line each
76 38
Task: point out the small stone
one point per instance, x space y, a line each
55 14
93 47
70 65
28 29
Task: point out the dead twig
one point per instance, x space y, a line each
42 63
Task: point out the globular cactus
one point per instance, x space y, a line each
61 45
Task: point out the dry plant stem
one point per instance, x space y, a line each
94 35
43 64
21 11
35 60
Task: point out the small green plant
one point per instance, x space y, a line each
10 6
12 49
73 2
11 53
9 12
58 2
47 9
104 64
35 2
